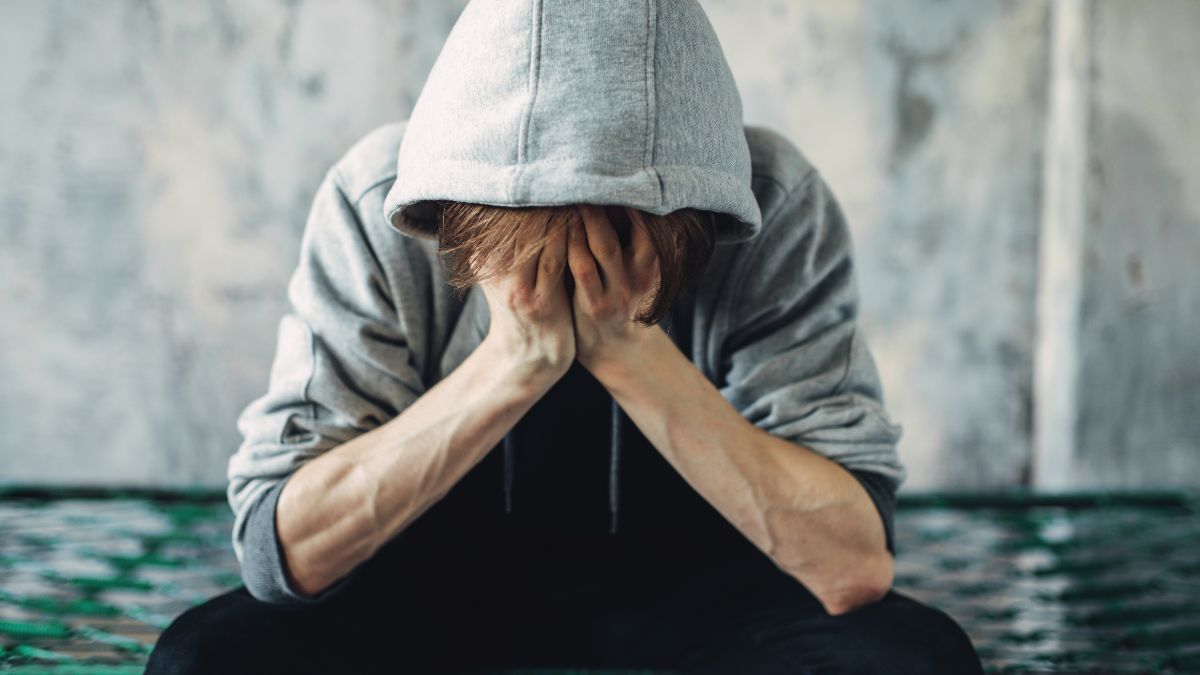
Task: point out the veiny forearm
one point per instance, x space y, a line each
339 508
805 511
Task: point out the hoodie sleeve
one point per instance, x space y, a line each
793 361
342 367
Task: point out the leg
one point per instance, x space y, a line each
753 618
896 635
399 616
235 633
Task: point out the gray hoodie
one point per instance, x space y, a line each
544 102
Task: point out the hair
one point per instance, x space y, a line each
477 242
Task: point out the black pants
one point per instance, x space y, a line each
573 606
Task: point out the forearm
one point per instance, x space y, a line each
339 508
805 511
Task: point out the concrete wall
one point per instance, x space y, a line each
157 164
926 120
158 161
1138 380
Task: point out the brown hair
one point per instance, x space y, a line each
479 241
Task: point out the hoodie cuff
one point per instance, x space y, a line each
264 570
884 497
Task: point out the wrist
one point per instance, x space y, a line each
535 372
616 363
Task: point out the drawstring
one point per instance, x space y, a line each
614 466
616 438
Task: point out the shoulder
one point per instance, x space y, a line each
799 210
370 162
775 157
804 238
782 180
363 174
778 168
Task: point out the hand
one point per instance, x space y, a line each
531 311
612 286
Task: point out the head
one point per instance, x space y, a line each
477 242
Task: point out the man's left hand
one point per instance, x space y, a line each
612 285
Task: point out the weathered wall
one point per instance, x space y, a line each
1139 367
157 164
158 161
926 121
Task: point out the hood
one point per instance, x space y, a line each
556 102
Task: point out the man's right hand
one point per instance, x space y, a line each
531 310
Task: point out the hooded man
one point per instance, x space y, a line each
570 377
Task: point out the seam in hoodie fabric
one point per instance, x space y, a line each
771 179
337 180
741 274
648 99
333 176
744 269
848 261
353 204
281 439
849 355
390 178
535 62
312 371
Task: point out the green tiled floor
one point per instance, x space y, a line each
1043 584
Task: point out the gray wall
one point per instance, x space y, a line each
1020 177
1138 379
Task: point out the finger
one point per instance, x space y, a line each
605 246
641 254
551 261
643 266
583 266
525 265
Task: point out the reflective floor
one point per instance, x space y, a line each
1069 583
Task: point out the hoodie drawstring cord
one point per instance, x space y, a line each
614 466
616 438
614 462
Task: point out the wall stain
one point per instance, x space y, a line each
915 112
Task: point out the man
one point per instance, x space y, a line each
573 251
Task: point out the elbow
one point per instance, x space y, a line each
868 583
849 602
845 583
842 580
268 566
299 581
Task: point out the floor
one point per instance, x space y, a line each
1067 583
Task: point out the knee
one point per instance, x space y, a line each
910 637
207 638
185 646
